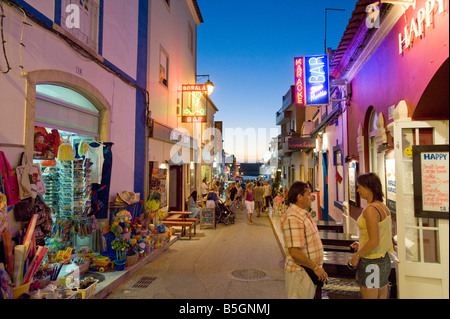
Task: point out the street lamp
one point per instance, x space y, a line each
210 87
209 84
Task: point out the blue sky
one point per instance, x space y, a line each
248 48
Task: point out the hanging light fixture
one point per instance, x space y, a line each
210 87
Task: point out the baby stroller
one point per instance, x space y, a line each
223 213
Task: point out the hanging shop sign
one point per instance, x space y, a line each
300 81
193 104
195 88
312 80
301 143
416 27
431 181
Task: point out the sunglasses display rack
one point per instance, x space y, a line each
50 176
71 200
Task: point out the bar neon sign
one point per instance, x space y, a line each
300 81
312 80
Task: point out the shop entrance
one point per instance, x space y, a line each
176 188
423 243
66 136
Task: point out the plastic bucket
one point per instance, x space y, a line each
120 264
20 290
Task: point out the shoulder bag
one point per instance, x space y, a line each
9 181
30 179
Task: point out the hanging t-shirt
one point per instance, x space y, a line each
95 153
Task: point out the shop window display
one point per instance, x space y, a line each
66 170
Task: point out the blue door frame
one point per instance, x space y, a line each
325 186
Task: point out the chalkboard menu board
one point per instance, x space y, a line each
431 181
207 218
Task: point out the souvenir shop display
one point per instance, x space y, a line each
57 201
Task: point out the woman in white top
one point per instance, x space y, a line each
375 241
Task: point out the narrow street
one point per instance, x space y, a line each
238 261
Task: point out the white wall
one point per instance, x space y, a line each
119 34
169 30
45 51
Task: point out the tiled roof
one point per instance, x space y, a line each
351 42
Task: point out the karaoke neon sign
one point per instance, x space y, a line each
312 80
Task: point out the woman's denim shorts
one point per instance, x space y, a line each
373 273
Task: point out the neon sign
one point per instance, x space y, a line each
317 80
299 81
194 88
418 26
193 110
193 119
312 80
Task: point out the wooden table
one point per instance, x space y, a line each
184 215
330 225
183 222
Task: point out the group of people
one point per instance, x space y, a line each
304 271
255 198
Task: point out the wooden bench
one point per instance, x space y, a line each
330 225
187 224
180 219
337 241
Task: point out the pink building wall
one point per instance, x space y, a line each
389 77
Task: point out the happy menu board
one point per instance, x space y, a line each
207 218
431 181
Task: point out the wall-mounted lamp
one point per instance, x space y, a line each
209 84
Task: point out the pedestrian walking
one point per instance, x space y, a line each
267 194
259 198
304 274
204 188
249 197
372 260
230 196
239 195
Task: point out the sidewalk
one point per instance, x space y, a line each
114 279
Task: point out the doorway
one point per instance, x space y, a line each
175 188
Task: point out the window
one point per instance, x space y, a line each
81 18
372 144
163 68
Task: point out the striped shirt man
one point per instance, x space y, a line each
300 231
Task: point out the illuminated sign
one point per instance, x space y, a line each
416 29
317 80
194 119
312 80
299 81
300 143
193 104
195 88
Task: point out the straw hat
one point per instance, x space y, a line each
128 198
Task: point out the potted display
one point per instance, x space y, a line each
121 248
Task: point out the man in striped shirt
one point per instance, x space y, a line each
303 245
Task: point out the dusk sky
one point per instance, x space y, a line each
248 49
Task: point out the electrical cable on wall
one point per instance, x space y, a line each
86 54
2 17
